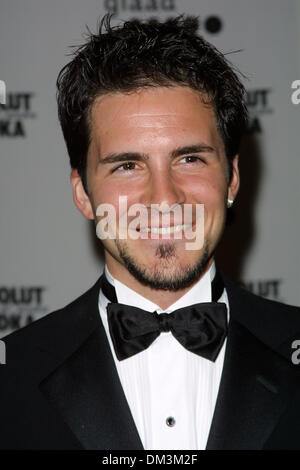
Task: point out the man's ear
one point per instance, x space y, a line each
80 198
234 183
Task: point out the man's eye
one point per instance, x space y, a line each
127 166
192 159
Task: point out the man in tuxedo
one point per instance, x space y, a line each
163 352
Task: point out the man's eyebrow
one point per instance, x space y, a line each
123 157
198 148
141 157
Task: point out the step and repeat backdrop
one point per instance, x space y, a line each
49 253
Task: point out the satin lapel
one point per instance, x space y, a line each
246 410
255 387
86 391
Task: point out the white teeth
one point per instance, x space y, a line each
165 230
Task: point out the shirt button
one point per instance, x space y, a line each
170 421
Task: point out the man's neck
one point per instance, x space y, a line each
162 298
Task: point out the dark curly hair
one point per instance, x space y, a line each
142 54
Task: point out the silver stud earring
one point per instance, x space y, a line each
229 203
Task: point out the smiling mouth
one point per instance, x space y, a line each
165 230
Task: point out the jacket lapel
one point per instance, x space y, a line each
255 386
85 389
248 403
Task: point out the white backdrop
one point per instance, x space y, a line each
47 252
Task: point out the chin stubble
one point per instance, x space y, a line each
159 279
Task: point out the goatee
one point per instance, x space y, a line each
158 278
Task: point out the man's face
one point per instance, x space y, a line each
158 145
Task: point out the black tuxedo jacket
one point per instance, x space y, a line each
60 389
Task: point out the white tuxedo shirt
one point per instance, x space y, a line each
167 383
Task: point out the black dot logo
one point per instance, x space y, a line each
213 24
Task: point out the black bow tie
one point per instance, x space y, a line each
200 328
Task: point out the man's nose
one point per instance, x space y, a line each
163 189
